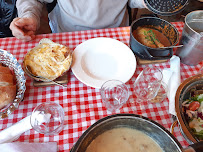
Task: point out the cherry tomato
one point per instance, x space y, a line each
194 105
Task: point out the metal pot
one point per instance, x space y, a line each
147 53
192 39
192 85
151 128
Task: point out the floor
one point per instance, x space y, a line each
193 5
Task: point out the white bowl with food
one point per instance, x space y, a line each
12 83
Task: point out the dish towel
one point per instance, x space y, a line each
172 78
28 147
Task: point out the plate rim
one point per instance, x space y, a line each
74 66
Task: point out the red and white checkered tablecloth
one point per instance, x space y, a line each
82 104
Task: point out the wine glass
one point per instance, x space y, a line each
147 84
47 118
114 94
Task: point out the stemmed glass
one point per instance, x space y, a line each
47 118
147 84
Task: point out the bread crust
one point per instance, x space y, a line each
7 86
6 79
5 70
7 95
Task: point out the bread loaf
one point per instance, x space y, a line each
7 86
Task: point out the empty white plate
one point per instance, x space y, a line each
100 59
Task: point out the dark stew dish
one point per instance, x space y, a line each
151 37
193 109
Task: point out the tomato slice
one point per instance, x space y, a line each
194 105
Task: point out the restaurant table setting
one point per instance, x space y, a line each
98 56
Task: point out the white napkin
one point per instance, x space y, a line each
172 78
13 132
28 147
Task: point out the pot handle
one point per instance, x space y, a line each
169 53
172 126
196 147
149 15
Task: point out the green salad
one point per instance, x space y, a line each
193 108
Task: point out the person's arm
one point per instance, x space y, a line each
30 9
28 21
136 3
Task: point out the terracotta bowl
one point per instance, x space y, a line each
193 84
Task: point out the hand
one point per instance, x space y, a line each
24 28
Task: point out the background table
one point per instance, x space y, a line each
82 104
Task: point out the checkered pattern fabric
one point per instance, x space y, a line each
82 104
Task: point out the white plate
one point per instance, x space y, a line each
100 59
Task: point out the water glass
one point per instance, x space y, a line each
114 94
47 118
147 84
162 93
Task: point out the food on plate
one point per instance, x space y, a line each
123 139
193 109
48 59
151 37
7 86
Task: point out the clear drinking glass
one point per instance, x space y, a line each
114 94
147 84
47 118
162 93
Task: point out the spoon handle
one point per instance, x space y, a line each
63 85
40 77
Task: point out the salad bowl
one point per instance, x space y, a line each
189 108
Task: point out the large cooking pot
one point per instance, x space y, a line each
148 53
192 85
151 128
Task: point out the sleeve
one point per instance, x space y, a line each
30 8
136 3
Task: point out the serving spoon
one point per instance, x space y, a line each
41 77
169 47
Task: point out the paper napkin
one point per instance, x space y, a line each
13 132
28 147
172 78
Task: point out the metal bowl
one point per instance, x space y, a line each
45 40
183 92
158 133
9 60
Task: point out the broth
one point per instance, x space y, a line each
151 37
123 140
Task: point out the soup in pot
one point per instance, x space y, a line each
123 140
151 37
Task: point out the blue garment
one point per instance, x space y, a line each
8 12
